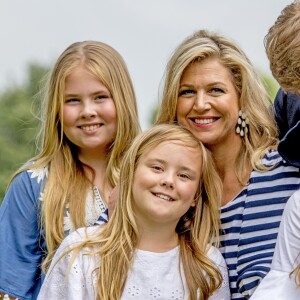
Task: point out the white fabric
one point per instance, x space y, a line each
94 209
152 276
278 284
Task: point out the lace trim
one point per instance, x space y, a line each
95 209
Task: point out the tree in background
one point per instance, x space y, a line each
18 124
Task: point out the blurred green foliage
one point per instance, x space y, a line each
18 124
270 84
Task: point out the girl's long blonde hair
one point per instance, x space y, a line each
253 98
196 230
67 182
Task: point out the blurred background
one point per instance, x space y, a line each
33 34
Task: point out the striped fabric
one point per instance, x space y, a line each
250 222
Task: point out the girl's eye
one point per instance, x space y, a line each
184 176
102 97
186 92
157 168
72 100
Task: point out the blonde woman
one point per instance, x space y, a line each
158 242
212 89
89 119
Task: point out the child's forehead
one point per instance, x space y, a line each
169 147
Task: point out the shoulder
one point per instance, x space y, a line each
287 103
277 285
64 252
279 176
215 255
38 174
79 235
25 190
31 176
277 163
272 157
292 208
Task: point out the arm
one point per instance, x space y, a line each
286 255
264 205
22 253
278 284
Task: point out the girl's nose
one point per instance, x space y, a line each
88 110
168 180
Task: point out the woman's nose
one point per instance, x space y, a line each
201 102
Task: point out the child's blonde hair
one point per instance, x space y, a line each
196 230
282 44
67 182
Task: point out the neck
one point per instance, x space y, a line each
99 166
92 157
225 157
157 239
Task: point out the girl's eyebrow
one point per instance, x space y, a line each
99 92
153 159
162 161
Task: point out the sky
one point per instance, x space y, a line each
145 33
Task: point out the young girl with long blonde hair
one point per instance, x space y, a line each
89 119
158 242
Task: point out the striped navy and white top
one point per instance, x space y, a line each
250 223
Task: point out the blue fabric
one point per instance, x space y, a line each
22 245
287 113
250 223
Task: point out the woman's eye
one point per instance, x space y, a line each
217 91
186 92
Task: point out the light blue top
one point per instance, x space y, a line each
22 243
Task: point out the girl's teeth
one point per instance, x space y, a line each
90 128
164 197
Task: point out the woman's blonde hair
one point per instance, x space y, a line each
253 98
197 229
282 44
67 182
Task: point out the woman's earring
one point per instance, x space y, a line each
242 126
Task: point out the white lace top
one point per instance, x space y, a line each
95 211
152 276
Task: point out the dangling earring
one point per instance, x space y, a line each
242 126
